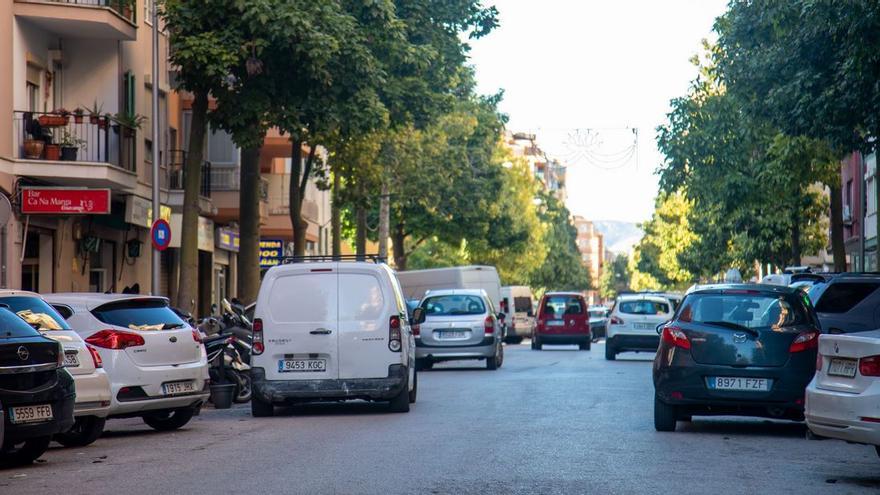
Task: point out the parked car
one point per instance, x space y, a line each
739 349
332 331
459 324
848 303
633 322
563 320
36 391
842 399
156 362
80 359
598 321
519 321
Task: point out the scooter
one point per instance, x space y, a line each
227 365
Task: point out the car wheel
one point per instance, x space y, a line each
400 402
610 352
536 344
424 364
877 449
664 415
415 390
23 453
243 389
585 346
494 362
84 432
260 409
170 419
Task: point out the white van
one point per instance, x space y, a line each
517 303
416 282
332 331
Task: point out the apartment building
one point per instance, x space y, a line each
548 172
592 248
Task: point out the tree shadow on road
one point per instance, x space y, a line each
348 408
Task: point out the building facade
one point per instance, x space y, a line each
591 245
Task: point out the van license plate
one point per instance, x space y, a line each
30 414
843 367
174 388
71 359
739 383
555 323
304 365
644 326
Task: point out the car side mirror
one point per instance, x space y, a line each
418 316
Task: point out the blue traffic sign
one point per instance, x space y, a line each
160 234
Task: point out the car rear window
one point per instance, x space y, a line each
597 313
748 310
360 298
522 304
11 326
452 305
36 312
841 297
139 314
643 307
557 306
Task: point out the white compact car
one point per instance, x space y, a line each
81 360
843 400
633 323
156 362
332 331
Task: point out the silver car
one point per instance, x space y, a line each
459 324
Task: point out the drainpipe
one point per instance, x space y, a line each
863 207
157 147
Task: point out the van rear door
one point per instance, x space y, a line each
300 325
364 323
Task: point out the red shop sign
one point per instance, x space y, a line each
64 201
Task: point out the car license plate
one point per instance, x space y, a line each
555 323
71 359
30 414
644 326
304 365
739 383
843 367
453 334
174 388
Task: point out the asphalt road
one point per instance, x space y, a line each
557 421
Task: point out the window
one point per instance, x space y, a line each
557 306
33 97
748 310
644 307
148 150
849 194
843 296
14 327
304 298
140 313
221 148
35 311
360 298
452 305
522 304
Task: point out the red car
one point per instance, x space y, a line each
562 319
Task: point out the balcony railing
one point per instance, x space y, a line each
176 174
71 138
229 179
125 8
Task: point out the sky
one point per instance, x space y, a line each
609 66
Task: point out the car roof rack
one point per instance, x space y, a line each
375 258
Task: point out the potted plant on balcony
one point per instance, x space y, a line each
95 112
129 122
78 115
70 145
58 118
53 151
33 148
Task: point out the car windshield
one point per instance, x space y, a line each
643 307
143 314
745 310
557 306
452 305
36 312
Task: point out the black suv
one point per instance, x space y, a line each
848 302
36 392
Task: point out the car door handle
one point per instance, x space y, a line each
321 331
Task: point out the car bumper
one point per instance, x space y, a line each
519 331
483 350
622 342
150 380
563 339
92 395
61 396
279 391
838 414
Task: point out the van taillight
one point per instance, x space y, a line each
115 339
258 346
489 326
394 334
96 358
416 330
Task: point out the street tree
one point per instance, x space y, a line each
615 278
562 268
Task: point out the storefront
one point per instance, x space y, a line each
227 243
205 293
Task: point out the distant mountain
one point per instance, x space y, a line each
619 237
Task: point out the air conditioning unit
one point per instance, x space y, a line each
847 215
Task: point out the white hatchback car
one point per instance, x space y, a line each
633 323
156 362
81 360
331 331
843 400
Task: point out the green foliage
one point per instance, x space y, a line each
615 278
656 260
562 269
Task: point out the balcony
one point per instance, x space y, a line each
176 174
71 150
92 19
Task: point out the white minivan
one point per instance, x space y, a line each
332 330
517 303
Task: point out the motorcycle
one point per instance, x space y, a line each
228 345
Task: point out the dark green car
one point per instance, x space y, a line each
740 349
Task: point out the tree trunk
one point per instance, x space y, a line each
361 231
299 179
335 219
249 226
400 254
189 231
837 247
384 217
